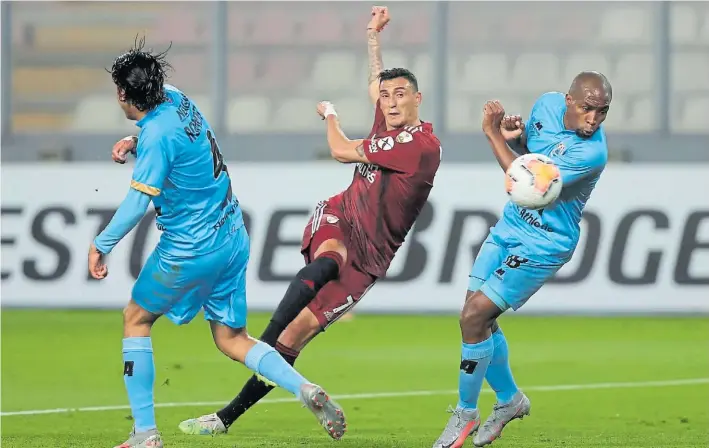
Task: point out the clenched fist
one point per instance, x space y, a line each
493 113
325 109
512 127
380 18
122 148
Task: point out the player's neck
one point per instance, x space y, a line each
139 115
413 123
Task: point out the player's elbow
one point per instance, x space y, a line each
341 154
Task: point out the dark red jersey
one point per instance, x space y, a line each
385 197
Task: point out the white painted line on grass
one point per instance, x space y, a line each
369 396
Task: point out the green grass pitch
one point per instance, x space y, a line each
72 359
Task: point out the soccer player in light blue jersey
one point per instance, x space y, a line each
526 247
200 261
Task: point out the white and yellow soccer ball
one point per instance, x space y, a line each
533 181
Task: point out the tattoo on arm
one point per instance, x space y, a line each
360 150
375 55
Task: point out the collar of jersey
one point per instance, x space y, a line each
149 116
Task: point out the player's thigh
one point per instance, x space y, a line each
326 224
226 303
491 254
515 280
166 286
339 296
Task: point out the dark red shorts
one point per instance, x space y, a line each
340 295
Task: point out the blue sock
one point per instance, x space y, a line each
474 361
499 374
139 375
266 361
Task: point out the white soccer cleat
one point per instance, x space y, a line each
460 426
328 412
206 425
501 415
146 439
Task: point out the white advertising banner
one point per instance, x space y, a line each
644 245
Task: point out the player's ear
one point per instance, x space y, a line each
569 100
418 98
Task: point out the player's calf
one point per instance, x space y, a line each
326 266
299 332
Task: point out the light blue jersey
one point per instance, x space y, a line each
179 164
201 259
527 247
553 233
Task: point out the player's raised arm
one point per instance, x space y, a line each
493 115
342 148
380 18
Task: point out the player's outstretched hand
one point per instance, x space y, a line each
493 113
325 109
122 148
97 268
380 18
512 127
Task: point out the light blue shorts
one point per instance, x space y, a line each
179 287
506 275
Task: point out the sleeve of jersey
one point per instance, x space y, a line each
127 216
575 164
152 166
401 153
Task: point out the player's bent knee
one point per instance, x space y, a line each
332 245
299 332
137 320
479 312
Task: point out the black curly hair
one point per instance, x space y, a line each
141 75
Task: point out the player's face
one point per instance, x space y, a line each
399 102
586 112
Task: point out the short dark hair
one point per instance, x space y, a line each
141 75
394 73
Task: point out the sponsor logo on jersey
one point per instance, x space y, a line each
385 143
559 150
534 221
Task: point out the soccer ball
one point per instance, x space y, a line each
533 181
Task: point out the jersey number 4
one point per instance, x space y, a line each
217 158
219 165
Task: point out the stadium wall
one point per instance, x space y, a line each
644 247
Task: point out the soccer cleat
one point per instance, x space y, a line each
328 412
145 439
462 423
501 415
206 425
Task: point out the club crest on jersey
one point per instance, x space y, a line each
331 219
404 137
559 150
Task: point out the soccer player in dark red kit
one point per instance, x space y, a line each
352 237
